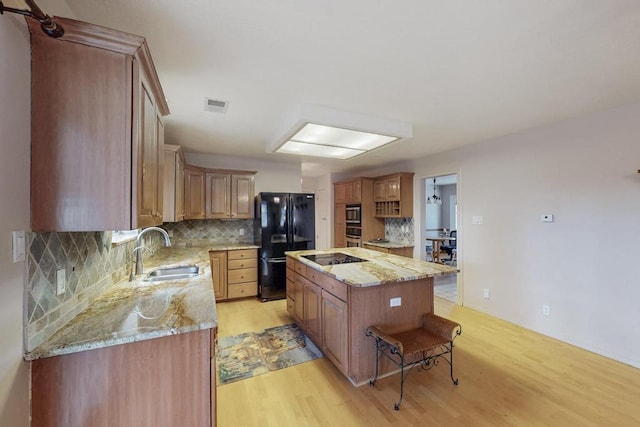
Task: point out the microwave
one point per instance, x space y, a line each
353 215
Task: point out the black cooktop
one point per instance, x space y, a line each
333 258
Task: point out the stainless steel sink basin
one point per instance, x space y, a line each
172 273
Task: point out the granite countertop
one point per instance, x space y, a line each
380 269
388 245
139 310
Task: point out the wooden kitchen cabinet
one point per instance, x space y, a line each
242 273
173 210
218 261
230 195
339 225
167 381
393 196
334 330
312 299
340 193
194 192
234 273
354 192
96 130
319 306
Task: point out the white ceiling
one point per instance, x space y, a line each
460 71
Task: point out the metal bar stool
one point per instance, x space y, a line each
422 347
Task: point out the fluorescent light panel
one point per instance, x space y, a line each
336 143
317 150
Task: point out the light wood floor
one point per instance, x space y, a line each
508 376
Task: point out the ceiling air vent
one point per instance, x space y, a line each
215 105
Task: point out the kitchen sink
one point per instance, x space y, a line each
172 273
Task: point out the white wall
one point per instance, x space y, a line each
272 176
15 111
584 263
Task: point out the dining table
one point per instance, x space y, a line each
436 242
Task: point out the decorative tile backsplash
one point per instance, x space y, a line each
399 230
216 230
91 265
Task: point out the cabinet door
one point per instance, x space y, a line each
354 192
379 191
298 297
312 311
148 162
218 200
218 261
179 189
334 330
194 190
340 193
339 225
393 188
242 193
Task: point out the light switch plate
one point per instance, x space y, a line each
18 246
477 220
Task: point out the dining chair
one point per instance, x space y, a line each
450 248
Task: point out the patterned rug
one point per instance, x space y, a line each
254 353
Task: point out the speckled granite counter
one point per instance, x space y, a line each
139 310
387 245
379 269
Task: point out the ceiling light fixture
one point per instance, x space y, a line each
434 200
30 8
324 132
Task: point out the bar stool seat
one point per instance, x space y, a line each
422 347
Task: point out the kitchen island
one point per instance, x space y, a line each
334 303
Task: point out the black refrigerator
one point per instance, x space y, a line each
285 222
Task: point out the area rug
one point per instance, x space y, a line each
254 353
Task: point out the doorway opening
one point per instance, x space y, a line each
441 231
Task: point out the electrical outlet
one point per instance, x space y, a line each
241 232
477 220
18 246
486 294
395 302
546 310
61 282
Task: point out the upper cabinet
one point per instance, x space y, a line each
354 191
229 195
393 195
218 194
194 192
96 130
173 210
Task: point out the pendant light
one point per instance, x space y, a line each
434 200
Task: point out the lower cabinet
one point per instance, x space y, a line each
165 381
312 310
236 272
319 306
218 261
334 330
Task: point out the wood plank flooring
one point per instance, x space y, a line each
509 376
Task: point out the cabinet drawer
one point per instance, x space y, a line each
290 263
243 254
242 275
235 264
301 268
331 285
241 290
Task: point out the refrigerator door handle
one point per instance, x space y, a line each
276 260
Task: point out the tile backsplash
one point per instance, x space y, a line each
215 230
399 230
91 265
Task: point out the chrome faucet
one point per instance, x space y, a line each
167 243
